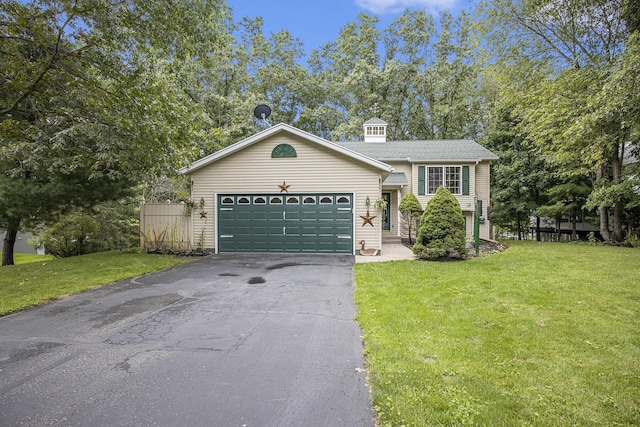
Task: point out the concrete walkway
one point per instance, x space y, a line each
392 250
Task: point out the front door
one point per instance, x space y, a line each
386 214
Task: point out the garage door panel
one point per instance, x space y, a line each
242 215
326 230
259 216
292 214
309 215
275 215
293 230
327 215
260 231
310 229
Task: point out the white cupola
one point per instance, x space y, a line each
375 130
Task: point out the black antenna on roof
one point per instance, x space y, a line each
262 112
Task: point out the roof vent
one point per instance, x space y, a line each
375 130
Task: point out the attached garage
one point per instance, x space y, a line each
311 223
286 191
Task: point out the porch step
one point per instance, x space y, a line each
390 239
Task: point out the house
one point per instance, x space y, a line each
286 190
22 245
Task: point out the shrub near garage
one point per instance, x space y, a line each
441 233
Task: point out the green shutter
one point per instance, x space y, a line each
465 180
421 180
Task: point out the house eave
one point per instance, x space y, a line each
282 127
475 160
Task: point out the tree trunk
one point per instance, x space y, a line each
604 225
537 228
616 163
574 225
9 243
604 213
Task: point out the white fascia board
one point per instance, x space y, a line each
438 161
211 158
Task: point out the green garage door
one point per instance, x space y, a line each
285 223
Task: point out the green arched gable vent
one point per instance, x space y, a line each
283 150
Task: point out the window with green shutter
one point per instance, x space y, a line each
421 184
465 180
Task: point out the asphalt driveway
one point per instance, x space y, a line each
242 340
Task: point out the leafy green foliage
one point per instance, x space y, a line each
521 176
441 232
92 96
572 103
108 225
70 236
410 208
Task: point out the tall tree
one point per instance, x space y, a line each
581 41
520 178
92 98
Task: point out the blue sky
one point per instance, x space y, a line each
316 22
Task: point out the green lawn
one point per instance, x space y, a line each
41 278
544 334
26 258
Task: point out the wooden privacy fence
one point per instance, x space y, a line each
165 227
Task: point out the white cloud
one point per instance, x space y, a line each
381 7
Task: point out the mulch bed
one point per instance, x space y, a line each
487 247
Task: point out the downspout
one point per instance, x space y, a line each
398 219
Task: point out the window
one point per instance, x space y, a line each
309 200
293 200
276 200
448 176
375 130
243 201
259 201
452 179
344 200
434 179
326 200
283 150
227 201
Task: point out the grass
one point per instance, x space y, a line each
27 258
544 334
28 284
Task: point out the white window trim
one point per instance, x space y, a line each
444 178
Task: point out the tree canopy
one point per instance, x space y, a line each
92 100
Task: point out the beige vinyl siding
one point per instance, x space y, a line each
482 178
316 169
